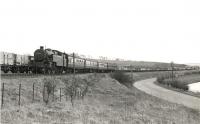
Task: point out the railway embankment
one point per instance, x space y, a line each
105 98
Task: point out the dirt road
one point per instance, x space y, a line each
149 87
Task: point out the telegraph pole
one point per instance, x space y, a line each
74 71
172 67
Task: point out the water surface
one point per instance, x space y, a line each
194 87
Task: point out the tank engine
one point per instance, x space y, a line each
49 61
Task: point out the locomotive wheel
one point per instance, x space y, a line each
14 70
60 71
33 71
5 71
21 70
53 71
57 71
43 71
49 71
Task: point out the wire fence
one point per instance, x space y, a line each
19 95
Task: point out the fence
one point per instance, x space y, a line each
19 95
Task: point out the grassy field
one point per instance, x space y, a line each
106 102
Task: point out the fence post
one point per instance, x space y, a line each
73 84
60 94
74 71
33 91
43 92
2 95
53 93
19 94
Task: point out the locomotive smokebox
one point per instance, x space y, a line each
41 47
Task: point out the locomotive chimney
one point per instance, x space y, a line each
41 47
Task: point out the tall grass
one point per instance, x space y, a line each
74 87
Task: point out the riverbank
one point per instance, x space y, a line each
180 84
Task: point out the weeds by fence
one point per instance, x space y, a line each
2 95
48 91
33 92
19 95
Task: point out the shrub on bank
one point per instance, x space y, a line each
192 72
179 84
160 79
122 77
172 83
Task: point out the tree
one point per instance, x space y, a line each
49 86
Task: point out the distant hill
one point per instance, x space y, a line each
144 64
193 64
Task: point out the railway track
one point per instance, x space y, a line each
30 75
21 75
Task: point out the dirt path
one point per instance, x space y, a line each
149 87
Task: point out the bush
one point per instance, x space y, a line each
122 77
174 83
192 72
76 88
49 86
160 79
179 84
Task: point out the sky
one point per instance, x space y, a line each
141 30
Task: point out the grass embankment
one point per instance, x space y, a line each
180 82
107 101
